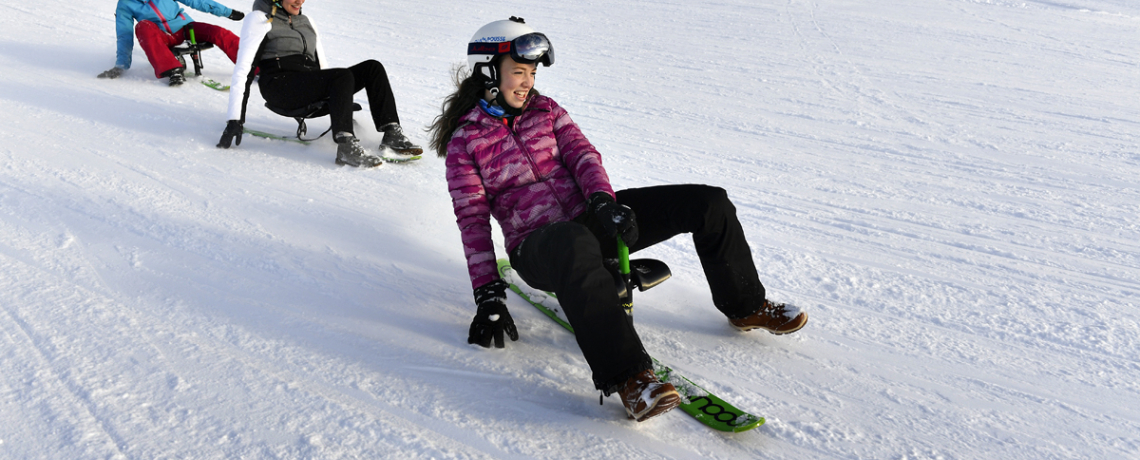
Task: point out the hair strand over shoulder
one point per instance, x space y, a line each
468 91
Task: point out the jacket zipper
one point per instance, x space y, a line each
304 43
160 17
534 166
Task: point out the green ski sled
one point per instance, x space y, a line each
695 400
278 137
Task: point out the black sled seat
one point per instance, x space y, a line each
315 110
644 274
647 273
195 52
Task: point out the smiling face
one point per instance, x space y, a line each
292 7
515 81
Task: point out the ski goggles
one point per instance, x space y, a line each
531 48
527 49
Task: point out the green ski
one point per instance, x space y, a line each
387 159
211 83
266 135
695 400
400 159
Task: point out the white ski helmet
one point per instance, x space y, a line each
510 37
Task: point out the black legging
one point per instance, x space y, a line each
297 89
565 258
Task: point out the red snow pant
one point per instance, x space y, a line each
156 43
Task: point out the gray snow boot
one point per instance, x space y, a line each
349 152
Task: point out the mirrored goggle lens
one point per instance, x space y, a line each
531 48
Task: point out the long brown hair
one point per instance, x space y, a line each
468 91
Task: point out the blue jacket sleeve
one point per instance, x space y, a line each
124 35
209 6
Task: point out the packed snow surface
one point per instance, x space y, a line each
950 188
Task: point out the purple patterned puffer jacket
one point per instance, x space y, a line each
540 172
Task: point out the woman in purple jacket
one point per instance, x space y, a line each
515 155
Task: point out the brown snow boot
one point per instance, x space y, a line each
646 397
776 318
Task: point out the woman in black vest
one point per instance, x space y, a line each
283 43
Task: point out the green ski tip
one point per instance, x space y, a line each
215 85
401 159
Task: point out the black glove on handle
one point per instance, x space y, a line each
492 317
236 15
609 219
233 129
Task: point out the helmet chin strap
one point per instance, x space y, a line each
499 107
490 76
507 108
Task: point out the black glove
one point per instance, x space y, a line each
233 128
236 15
113 73
492 317
608 219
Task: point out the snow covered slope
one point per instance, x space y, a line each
949 187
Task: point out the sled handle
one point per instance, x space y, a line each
623 256
626 299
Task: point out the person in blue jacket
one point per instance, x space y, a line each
163 24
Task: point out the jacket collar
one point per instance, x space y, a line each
477 116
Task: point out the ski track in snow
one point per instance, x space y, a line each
949 188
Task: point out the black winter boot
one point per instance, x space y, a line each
177 78
395 141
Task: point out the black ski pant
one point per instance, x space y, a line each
567 259
297 89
